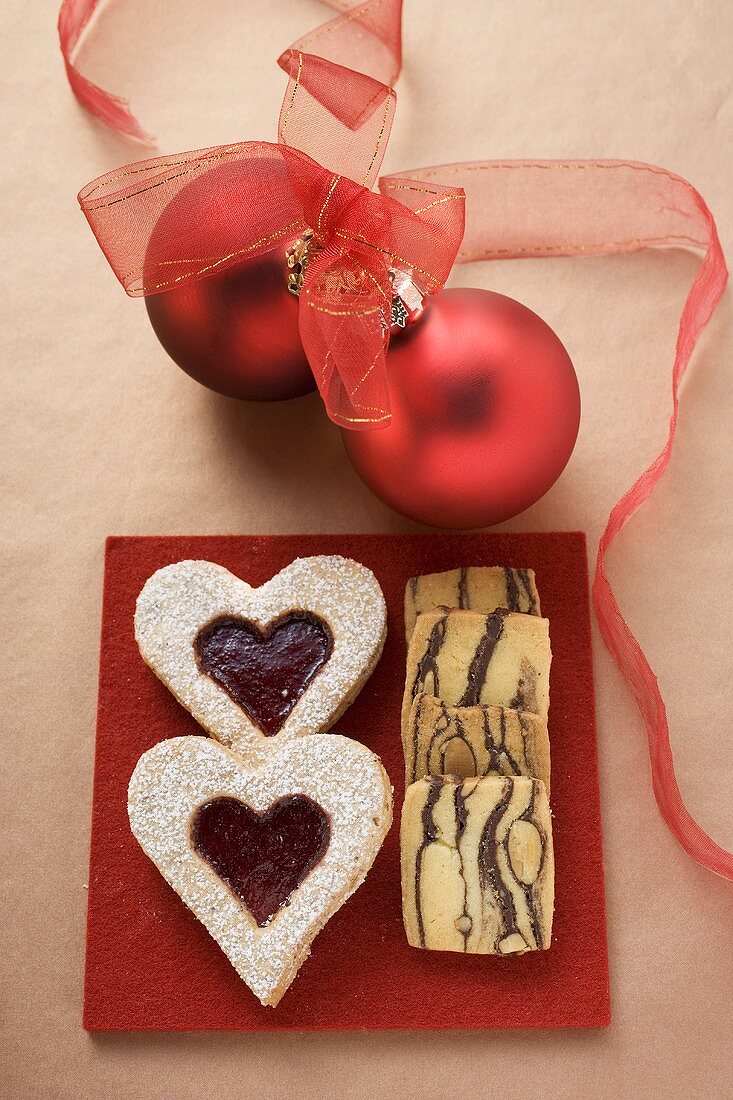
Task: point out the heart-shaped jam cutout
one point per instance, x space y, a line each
265 672
262 857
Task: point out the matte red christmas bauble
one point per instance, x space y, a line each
485 413
235 331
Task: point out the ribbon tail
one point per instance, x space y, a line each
704 295
111 109
344 326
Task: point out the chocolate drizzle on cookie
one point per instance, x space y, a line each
530 592
493 877
430 834
463 601
497 751
428 663
490 875
482 657
512 589
464 924
520 592
528 888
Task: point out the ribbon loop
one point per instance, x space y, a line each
222 205
339 117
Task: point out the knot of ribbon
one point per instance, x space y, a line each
346 298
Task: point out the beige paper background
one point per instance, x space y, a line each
101 434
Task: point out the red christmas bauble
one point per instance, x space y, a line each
485 413
235 331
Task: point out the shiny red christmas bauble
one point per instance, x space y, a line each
485 413
235 331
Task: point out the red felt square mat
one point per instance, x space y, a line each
152 967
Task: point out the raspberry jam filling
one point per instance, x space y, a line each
265 672
262 857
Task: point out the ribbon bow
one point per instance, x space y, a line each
266 195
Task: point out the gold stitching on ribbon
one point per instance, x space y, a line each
364 378
88 191
387 104
550 248
437 202
548 166
85 193
223 259
401 259
334 184
365 419
292 98
344 312
143 190
409 187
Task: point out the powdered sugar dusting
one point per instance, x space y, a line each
180 599
348 781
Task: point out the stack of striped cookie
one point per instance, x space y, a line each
476 838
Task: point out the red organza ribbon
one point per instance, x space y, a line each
339 106
269 194
74 17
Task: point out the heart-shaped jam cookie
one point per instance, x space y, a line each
253 664
262 856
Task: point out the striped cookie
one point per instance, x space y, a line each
481 588
477 865
474 741
465 658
